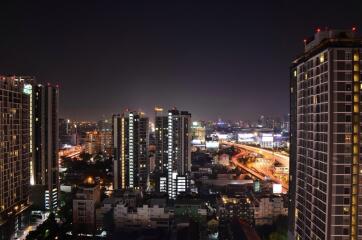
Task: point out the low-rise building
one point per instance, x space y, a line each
102 213
268 208
187 208
84 207
141 217
237 206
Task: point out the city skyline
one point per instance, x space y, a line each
217 54
181 120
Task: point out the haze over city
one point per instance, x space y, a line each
218 120
110 55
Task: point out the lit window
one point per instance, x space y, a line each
345 210
356 67
355 57
355 150
321 58
355 98
355 77
355 108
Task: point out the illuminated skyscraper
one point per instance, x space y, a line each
64 132
130 140
44 166
117 151
15 151
198 133
161 141
105 134
173 150
325 172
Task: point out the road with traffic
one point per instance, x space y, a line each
257 173
260 168
267 154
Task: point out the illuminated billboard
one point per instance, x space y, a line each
267 137
246 137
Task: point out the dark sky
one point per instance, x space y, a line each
226 59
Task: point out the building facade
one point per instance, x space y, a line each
179 151
130 143
65 135
106 141
325 196
44 167
173 150
198 133
161 141
105 134
15 150
93 142
140 217
117 151
267 209
86 201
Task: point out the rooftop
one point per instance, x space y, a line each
329 38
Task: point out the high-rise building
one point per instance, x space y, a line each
161 141
325 172
106 141
130 143
118 166
262 121
15 151
44 167
93 142
65 135
104 124
198 132
105 135
173 150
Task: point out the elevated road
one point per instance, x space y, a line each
257 170
236 162
72 152
256 173
282 159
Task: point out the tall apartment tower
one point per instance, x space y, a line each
179 152
161 141
15 150
117 151
325 170
44 167
105 134
130 144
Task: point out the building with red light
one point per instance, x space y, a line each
325 172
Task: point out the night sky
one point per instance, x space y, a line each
227 59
